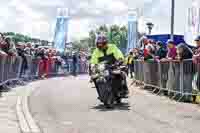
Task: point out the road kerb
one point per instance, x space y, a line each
26 121
32 124
22 121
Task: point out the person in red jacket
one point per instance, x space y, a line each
148 49
43 65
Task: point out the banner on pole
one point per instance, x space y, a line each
61 30
132 29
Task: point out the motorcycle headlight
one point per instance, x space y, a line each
106 73
101 67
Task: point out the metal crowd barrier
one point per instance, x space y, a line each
177 79
81 67
55 68
9 68
19 68
139 73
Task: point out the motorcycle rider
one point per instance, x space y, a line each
110 53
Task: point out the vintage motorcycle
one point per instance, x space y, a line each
109 80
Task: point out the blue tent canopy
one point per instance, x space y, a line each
164 37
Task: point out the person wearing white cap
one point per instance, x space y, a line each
197 51
196 60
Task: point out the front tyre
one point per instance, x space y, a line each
109 106
106 95
109 103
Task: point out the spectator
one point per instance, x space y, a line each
9 47
12 48
22 53
142 42
74 63
4 46
42 54
171 55
36 53
29 50
43 65
149 52
130 64
196 56
174 70
2 42
152 43
1 37
184 52
196 60
145 43
58 62
148 48
161 52
136 54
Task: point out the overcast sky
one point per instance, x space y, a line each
37 17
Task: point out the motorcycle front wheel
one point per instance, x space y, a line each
109 103
106 95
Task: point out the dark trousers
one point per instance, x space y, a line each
24 67
90 70
74 69
198 81
131 69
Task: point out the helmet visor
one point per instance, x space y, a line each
101 45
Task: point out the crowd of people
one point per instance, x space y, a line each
46 59
150 50
44 56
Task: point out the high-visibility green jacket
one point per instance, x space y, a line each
112 50
129 59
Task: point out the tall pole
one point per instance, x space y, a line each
172 18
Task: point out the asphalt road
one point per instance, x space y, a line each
69 105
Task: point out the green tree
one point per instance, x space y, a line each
116 35
17 37
9 34
103 28
81 44
124 36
